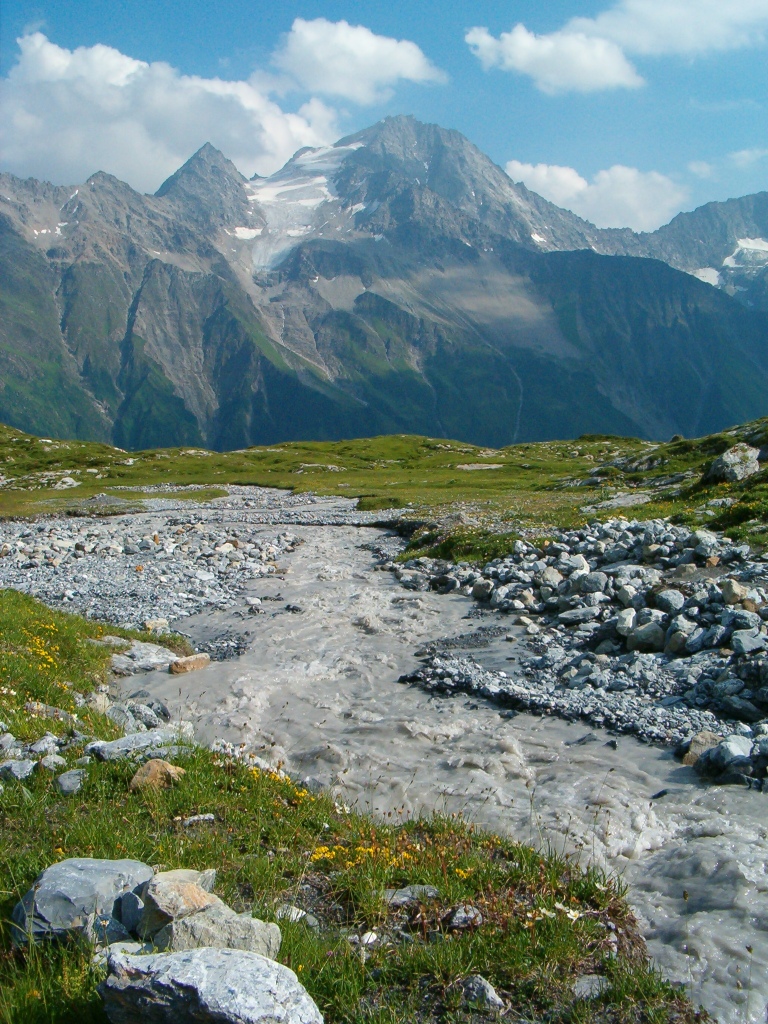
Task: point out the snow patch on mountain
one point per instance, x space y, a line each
708 275
749 252
300 200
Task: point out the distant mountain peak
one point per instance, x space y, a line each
207 163
209 189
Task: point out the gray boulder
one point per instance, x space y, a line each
550 577
482 590
575 563
648 637
463 917
574 616
411 895
71 782
142 657
670 601
480 991
740 709
745 641
221 927
735 464
51 763
625 621
718 758
18 770
204 986
47 744
593 583
80 895
123 719
138 742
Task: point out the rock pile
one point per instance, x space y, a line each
174 951
133 570
641 627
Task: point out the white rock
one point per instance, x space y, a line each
203 986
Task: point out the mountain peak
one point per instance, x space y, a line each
208 163
208 188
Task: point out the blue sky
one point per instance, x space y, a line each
626 111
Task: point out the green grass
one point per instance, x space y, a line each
431 489
422 483
546 919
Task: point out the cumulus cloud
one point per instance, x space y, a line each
587 54
685 27
67 113
350 61
617 197
556 62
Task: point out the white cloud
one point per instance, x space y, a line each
617 197
679 26
339 59
591 53
701 169
67 113
556 62
558 184
744 159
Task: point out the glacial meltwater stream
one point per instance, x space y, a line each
317 690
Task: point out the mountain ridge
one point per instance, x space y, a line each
398 281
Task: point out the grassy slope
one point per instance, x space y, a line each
531 489
546 920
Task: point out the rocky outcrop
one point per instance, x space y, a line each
219 926
111 902
734 465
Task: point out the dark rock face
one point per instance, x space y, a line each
397 282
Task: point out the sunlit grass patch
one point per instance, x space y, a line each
48 657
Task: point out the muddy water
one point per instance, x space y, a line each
318 691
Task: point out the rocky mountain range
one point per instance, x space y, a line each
397 282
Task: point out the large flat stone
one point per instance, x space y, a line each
204 986
135 743
16 769
746 641
142 657
576 615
